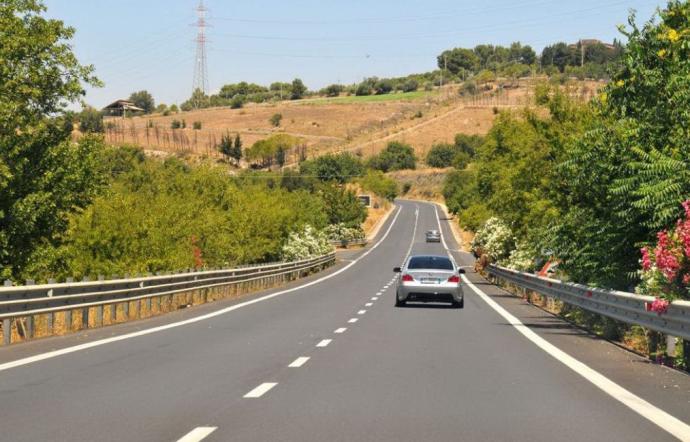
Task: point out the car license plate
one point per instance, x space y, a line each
429 281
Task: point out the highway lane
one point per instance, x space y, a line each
333 361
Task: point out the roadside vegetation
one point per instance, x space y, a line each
599 187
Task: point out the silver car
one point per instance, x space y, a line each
433 236
427 278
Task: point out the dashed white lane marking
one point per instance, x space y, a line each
88 345
361 312
379 293
386 286
353 320
375 298
324 343
197 434
340 330
667 422
297 363
260 390
368 304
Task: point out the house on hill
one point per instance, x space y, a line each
120 108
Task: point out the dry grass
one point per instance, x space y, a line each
357 124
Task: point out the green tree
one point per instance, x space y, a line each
225 146
333 90
458 60
144 100
377 182
342 205
43 176
91 121
297 89
441 155
396 156
340 168
236 152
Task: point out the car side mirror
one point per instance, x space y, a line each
396 269
461 271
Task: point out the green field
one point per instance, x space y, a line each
411 96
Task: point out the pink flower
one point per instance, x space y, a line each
659 306
646 261
686 206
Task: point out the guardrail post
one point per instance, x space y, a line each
68 320
7 331
85 318
125 309
99 316
29 331
50 319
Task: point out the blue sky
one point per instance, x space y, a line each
149 44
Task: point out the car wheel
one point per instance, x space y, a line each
459 304
398 302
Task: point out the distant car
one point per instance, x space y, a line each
429 279
433 236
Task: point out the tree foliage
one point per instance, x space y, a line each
396 156
43 176
144 100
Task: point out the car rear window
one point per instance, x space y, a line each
430 262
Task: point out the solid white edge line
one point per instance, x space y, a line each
657 416
667 422
260 390
197 434
76 348
353 320
297 363
340 330
324 342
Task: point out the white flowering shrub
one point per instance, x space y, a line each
495 239
340 232
521 258
305 244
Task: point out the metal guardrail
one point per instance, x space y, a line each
29 300
626 307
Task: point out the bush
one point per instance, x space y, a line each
495 239
363 89
383 87
468 88
441 155
305 244
237 102
91 121
275 120
196 125
175 124
341 232
168 215
340 168
342 205
407 186
396 156
333 90
375 181
410 86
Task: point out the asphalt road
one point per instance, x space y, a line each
336 361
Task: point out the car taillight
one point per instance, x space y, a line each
407 278
455 279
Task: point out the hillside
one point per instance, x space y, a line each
347 123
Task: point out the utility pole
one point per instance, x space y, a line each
200 67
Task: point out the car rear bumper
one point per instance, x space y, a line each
430 292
